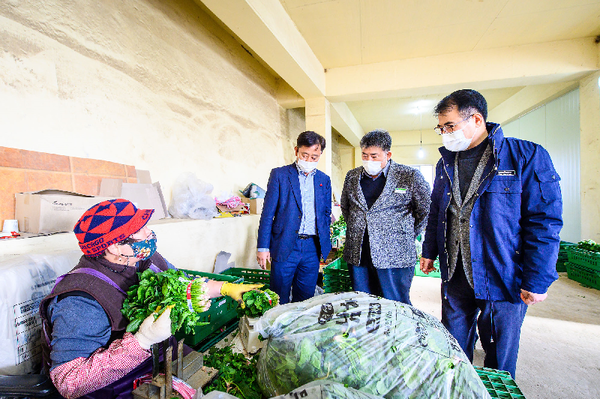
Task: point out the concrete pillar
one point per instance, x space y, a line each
589 108
318 119
357 156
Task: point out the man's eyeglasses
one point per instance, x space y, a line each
450 127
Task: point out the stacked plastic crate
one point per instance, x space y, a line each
336 277
563 256
584 266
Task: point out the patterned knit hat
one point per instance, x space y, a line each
107 223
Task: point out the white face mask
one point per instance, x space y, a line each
306 166
456 141
372 167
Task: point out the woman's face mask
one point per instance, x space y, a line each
143 250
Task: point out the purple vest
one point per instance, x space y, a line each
107 283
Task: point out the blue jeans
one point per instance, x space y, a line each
391 284
499 323
298 273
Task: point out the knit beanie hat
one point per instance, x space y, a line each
107 223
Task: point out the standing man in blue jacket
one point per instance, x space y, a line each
495 219
294 225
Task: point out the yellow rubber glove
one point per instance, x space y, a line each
235 291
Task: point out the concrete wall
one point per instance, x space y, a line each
151 83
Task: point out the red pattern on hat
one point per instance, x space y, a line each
107 223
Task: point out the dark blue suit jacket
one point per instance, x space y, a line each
282 212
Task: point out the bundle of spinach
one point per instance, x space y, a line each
237 374
157 291
258 302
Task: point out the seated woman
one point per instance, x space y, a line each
89 353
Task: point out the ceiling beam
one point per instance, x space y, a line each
346 124
268 30
512 66
527 99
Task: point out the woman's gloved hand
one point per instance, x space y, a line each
236 290
154 331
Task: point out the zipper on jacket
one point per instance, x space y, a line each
446 212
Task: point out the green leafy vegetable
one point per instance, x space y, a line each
157 291
589 245
258 302
237 374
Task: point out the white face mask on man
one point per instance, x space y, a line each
456 141
372 167
306 166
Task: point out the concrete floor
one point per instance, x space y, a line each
559 355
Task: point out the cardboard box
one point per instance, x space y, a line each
249 335
51 211
144 196
256 205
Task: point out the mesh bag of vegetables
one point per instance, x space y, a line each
380 347
156 291
325 389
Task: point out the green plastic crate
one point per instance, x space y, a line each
584 275
584 257
222 311
561 266
499 383
254 276
338 267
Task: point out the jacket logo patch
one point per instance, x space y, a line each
399 190
506 173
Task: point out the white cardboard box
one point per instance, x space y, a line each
249 335
144 196
51 211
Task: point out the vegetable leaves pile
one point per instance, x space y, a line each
237 374
589 245
157 291
258 302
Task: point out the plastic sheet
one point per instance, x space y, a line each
24 282
192 198
380 347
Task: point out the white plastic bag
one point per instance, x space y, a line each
378 346
24 282
192 198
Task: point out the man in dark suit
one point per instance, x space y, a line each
294 225
385 205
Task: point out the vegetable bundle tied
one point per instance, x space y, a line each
258 302
157 291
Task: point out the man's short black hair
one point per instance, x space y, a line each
310 138
466 101
377 138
